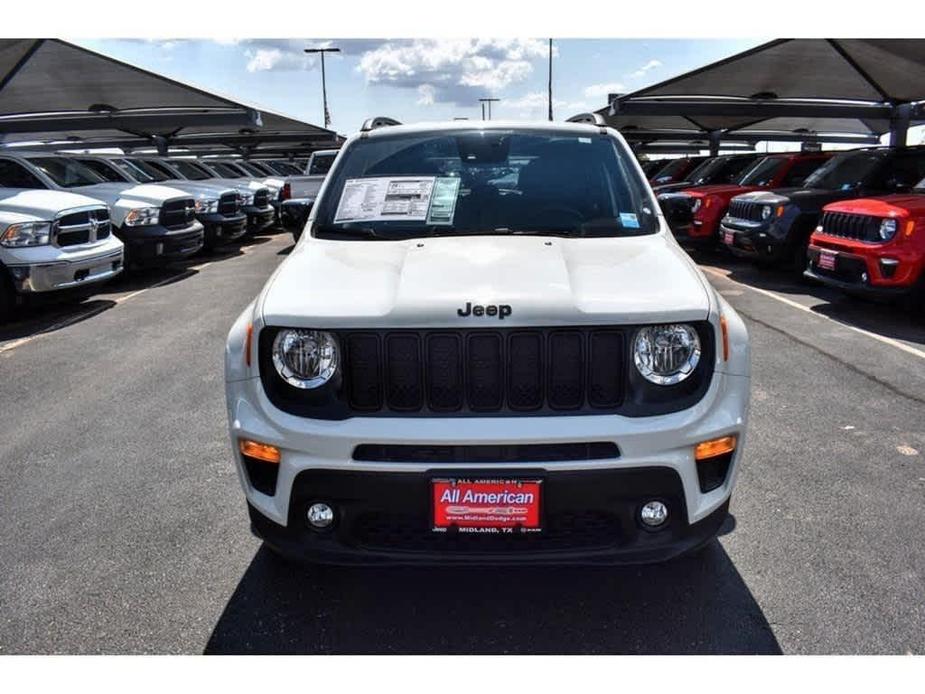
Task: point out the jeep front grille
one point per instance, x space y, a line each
852 226
484 370
743 209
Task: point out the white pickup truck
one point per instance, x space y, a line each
50 242
308 185
156 223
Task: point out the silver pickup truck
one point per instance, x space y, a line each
51 241
299 192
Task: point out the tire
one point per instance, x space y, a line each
7 296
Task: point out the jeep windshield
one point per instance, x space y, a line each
720 170
762 173
484 182
847 171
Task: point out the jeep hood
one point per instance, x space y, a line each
808 199
545 280
724 190
146 193
898 205
41 204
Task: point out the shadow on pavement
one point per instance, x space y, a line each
698 604
889 319
47 318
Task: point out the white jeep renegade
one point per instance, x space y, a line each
487 347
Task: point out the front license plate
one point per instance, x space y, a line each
827 260
729 238
486 505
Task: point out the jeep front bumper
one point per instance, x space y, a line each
590 505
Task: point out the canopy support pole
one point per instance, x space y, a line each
715 138
899 124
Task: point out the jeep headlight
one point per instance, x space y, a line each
696 206
666 354
142 216
206 206
305 358
888 229
26 234
766 212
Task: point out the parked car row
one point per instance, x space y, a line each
73 221
851 219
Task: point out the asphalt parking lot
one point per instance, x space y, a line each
124 529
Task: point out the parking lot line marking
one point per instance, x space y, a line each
794 304
121 300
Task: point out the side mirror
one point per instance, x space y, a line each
676 208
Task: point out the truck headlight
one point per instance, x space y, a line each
206 206
696 206
142 216
766 212
26 234
666 354
305 358
247 198
888 229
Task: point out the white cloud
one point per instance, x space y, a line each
535 106
601 90
651 65
458 71
426 95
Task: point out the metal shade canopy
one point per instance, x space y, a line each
861 86
52 90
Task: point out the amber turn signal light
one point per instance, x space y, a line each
714 447
260 451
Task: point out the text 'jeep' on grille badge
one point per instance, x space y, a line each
502 311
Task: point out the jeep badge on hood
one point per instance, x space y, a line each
502 311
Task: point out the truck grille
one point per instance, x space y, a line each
743 209
178 214
852 226
484 370
262 198
229 204
86 226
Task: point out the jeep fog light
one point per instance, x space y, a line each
666 354
653 514
305 358
320 515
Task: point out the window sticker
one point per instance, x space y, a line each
394 198
629 220
443 201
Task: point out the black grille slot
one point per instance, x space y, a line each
262 198
566 364
73 238
742 209
484 371
513 453
178 214
605 380
229 204
852 226
365 388
525 371
404 389
444 372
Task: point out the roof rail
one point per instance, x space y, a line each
377 122
590 118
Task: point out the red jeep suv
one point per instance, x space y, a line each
872 246
708 204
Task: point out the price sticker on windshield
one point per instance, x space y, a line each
402 198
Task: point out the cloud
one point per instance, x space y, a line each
289 54
601 90
651 65
535 105
426 95
457 71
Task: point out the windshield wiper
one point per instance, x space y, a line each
333 232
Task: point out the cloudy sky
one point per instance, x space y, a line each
420 79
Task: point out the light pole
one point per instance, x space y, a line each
324 88
550 79
487 101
